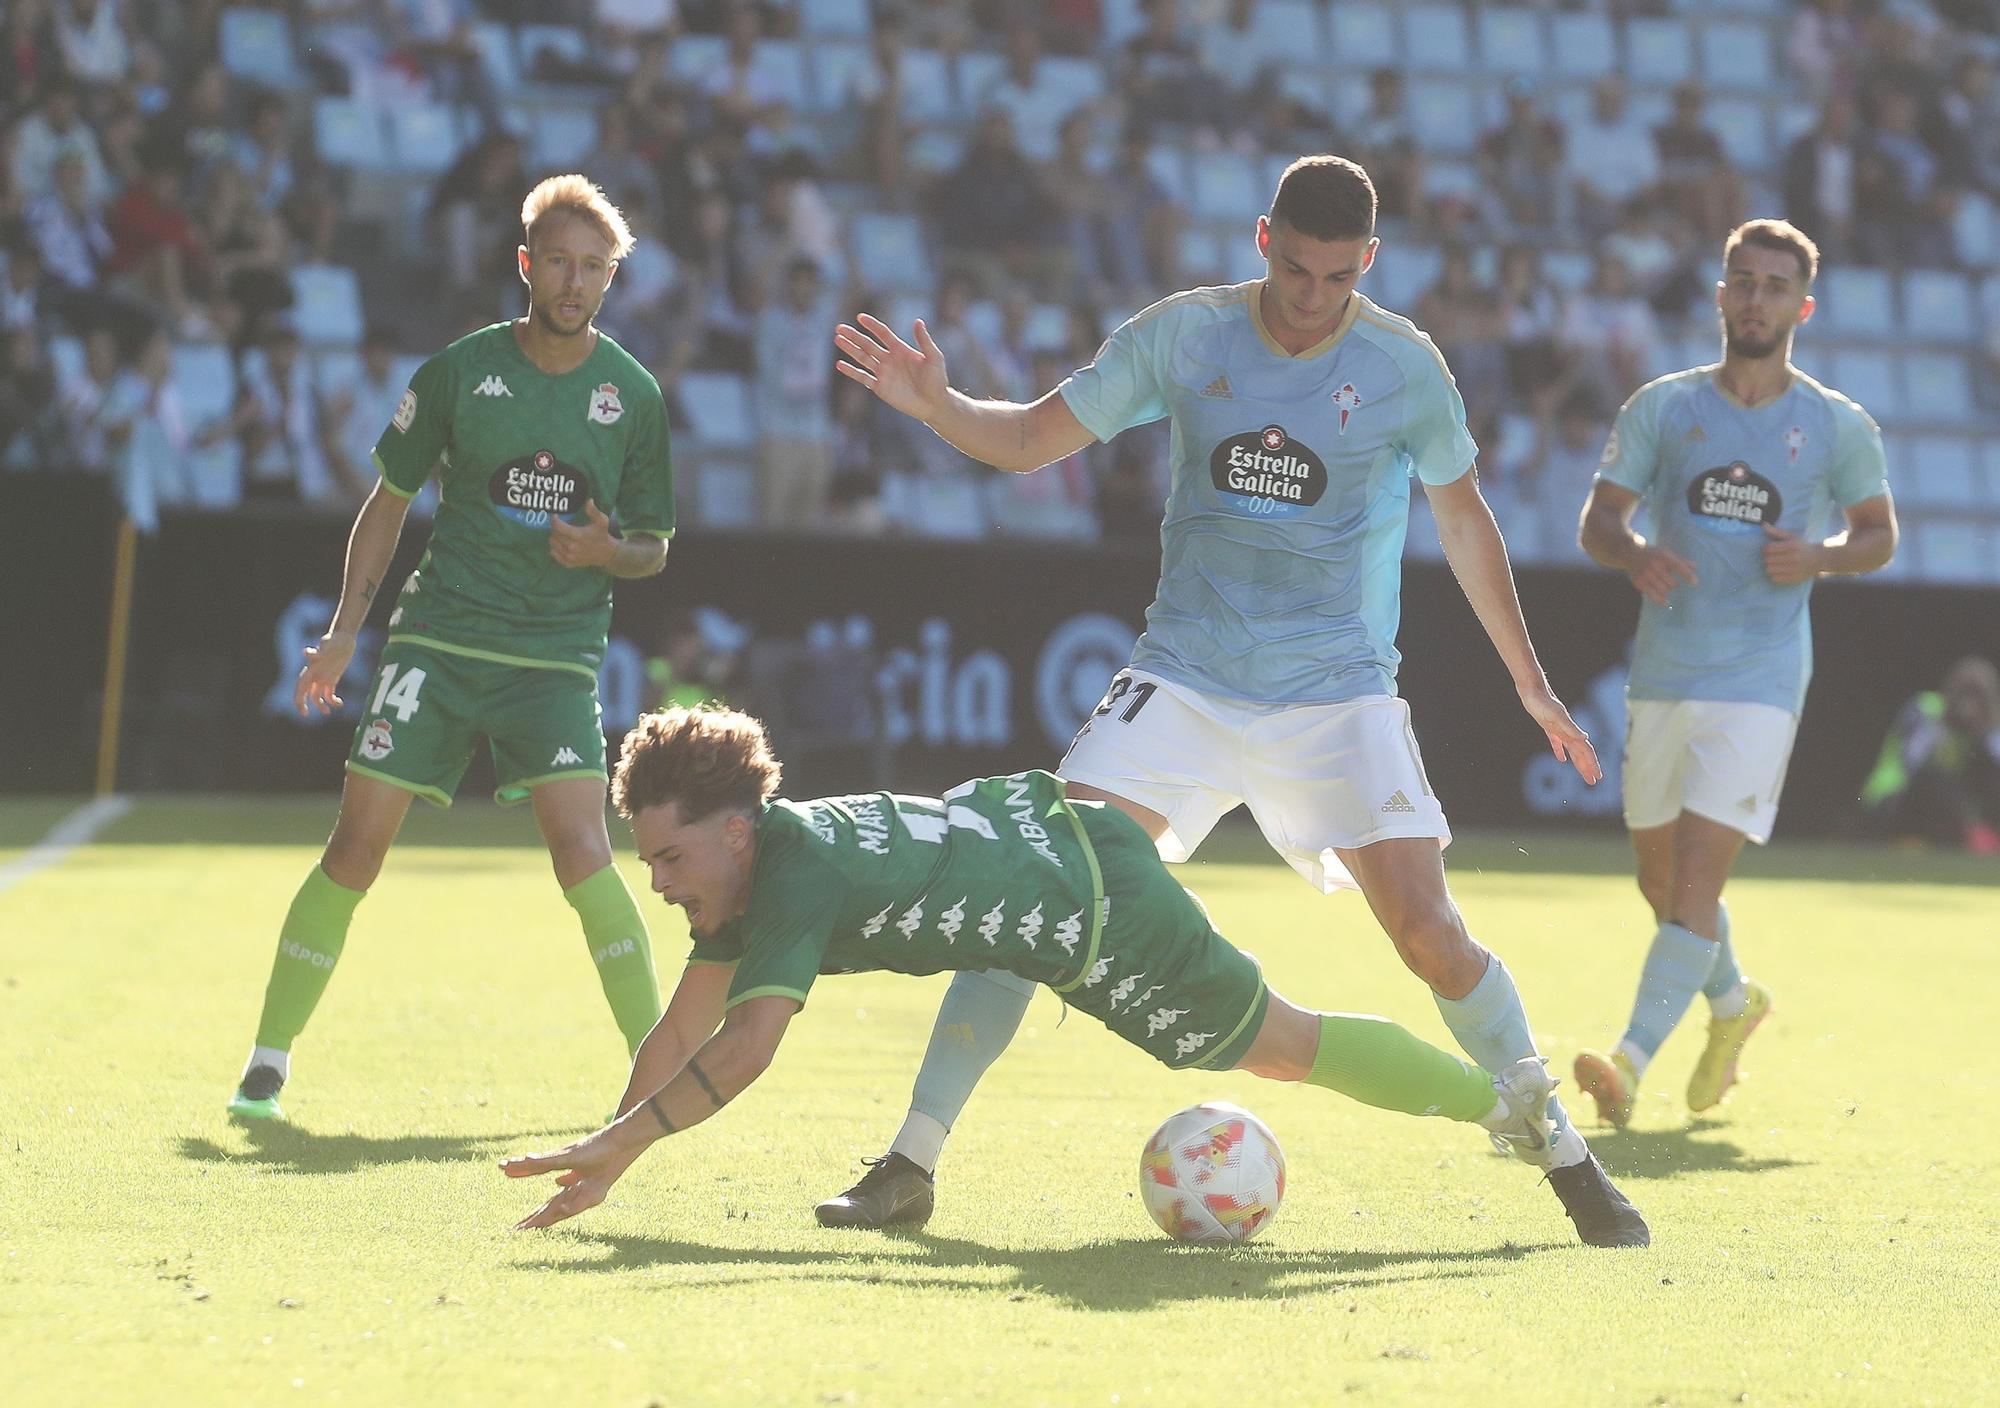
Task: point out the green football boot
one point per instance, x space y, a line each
257 1097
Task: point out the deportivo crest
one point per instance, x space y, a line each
1734 496
1271 473
377 742
535 487
1795 441
1349 400
605 407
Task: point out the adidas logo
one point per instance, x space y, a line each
492 386
566 757
1695 436
1398 802
1219 389
1749 803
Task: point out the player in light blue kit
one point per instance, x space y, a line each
1267 672
1740 466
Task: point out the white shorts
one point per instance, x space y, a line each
1315 776
1719 760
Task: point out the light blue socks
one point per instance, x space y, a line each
1725 977
1677 965
1492 1028
980 1014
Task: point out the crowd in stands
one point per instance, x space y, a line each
229 230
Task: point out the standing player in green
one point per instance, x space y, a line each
1001 873
534 426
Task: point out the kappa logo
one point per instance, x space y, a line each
605 407
1695 436
1749 803
1164 1018
492 386
1349 400
951 921
566 757
1795 441
1192 1042
1218 389
1398 802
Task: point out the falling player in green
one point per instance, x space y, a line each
542 431
1002 873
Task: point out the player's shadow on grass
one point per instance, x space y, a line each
1669 1153
1130 1275
289 1149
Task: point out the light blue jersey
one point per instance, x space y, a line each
1712 472
1282 548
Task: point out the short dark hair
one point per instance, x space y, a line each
706 760
1325 198
1781 235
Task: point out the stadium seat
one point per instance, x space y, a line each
335 368
496 55
718 409
1989 454
1122 20
890 251
1363 37
1989 307
1938 387
257 45
1047 328
424 136
1445 115
1240 259
695 56
1869 376
326 305
977 70
349 133
835 67
1953 550
1401 273
1857 301
1511 41
562 136
934 150
1939 306
1584 45
1745 129
1081 79
1658 51
783 61
1736 54
1285 32
1202 259
1567 268
204 377
564 41
66 358
1452 180
1435 38
843 19
1226 186
927 86
1167 165
1937 471
1975 232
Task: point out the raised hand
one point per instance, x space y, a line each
589 546
1655 572
1567 740
1788 558
911 379
320 677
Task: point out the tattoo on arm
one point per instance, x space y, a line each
653 1104
707 1086
368 592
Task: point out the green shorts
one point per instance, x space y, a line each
1163 978
426 709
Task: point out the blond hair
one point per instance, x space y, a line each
580 196
1781 235
704 759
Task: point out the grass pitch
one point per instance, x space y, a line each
1830 1238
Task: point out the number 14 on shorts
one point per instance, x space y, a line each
397 692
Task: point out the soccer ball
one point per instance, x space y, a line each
1212 1174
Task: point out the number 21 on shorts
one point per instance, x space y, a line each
1121 686
398 693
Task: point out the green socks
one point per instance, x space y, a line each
618 945
308 946
1373 1060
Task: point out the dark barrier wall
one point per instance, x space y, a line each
878 662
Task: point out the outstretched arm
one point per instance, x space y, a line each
727 1065
690 1019
369 548
1004 434
1478 557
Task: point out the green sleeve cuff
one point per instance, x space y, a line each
736 999
391 485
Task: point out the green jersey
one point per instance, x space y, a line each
996 874
514 446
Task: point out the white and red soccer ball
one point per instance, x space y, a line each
1212 1174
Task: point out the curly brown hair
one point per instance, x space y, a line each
1780 235
704 759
